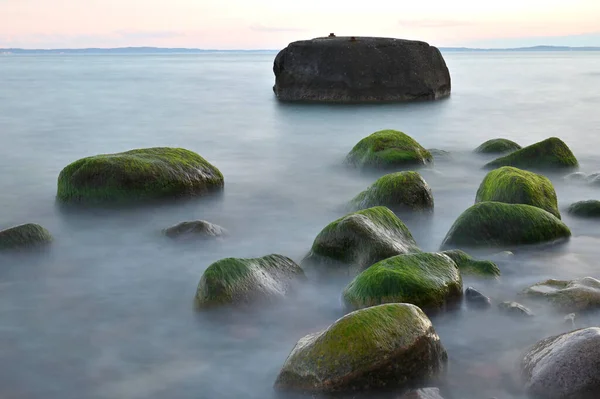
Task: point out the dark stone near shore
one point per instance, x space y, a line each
365 69
476 299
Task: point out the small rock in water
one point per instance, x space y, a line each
196 229
24 236
477 299
570 319
424 393
569 296
515 309
576 177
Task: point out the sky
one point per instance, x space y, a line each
272 24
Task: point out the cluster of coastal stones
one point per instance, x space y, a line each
386 340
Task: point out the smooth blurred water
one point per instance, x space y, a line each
106 311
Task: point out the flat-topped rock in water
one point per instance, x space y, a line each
564 366
24 236
199 229
136 175
360 69
386 346
569 296
514 309
587 209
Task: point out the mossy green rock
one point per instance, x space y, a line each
24 236
497 146
426 280
388 149
517 186
242 281
496 224
361 239
551 153
401 190
589 209
387 346
568 296
469 265
141 174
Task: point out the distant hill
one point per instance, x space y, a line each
159 50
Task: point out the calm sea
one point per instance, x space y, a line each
107 311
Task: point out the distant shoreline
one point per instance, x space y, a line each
160 50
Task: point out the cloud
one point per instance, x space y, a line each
433 23
262 28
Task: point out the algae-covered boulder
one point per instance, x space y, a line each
496 224
469 265
400 190
242 281
200 229
517 186
551 153
360 69
24 236
429 281
142 174
568 296
388 149
386 346
497 146
589 209
564 366
361 239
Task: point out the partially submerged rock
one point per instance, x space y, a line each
142 174
551 153
588 209
514 309
400 190
497 146
569 296
496 224
469 265
576 177
476 299
360 69
386 346
361 239
388 149
233 281
24 236
516 186
424 393
564 366
195 229
429 281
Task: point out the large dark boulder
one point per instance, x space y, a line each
141 174
361 69
387 346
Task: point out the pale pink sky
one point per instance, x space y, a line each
271 24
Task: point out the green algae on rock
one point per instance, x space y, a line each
196 229
386 346
589 208
496 224
551 153
564 366
497 146
516 186
141 174
24 236
402 190
243 281
469 265
429 281
361 239
568 296
387 149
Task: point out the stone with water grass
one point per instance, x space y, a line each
586 209
429 281
360 239
382 347
471 266
136 175
496 224
388 149
551 153
497 146
516 186
24 236
400 190
234 281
